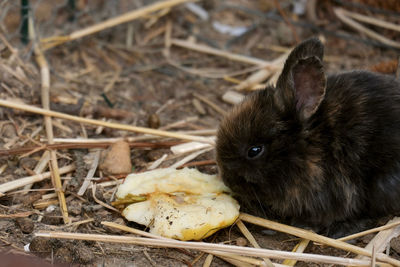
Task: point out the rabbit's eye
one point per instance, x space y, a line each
255 152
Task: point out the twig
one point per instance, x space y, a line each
40 167
119 126
251 239
149 235
372 20
55 178
208 260
167 39
315 237
198 163
253 252
207 72
90 173
157 162
263 74
382 239
70 143
101 202
132 230
210 103
190 157
15 53
146 254
340 13
373 260
32 179
17 215
16 75
300 247
132 15
217 52
179 123
188 147
370 231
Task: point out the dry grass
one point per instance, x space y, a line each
64 134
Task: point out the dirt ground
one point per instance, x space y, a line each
143 82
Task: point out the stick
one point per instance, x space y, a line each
39 168
70 143
132 15
381 240
118 126
32 179
253 252
189 157
90 173
217 52
314 237
149 235
372 20
263 74
188 147
370 231
210 103
340 13
300 247
252 240
55 177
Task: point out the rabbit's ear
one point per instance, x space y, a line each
302 82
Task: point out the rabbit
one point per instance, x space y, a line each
318 152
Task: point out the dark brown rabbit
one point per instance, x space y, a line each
318 152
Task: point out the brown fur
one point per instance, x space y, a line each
330 146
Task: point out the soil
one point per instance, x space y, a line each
104 78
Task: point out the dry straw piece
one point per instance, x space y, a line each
32 179
119 126
244 251
45 90
132 15
344 16
315 237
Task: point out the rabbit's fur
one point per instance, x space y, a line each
330 147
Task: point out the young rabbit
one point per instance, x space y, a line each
317 152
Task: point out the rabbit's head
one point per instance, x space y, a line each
263 143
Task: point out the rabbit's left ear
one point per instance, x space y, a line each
302 82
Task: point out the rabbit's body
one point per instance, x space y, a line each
322 158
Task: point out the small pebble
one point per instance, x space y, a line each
153 121
75 207
117 159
